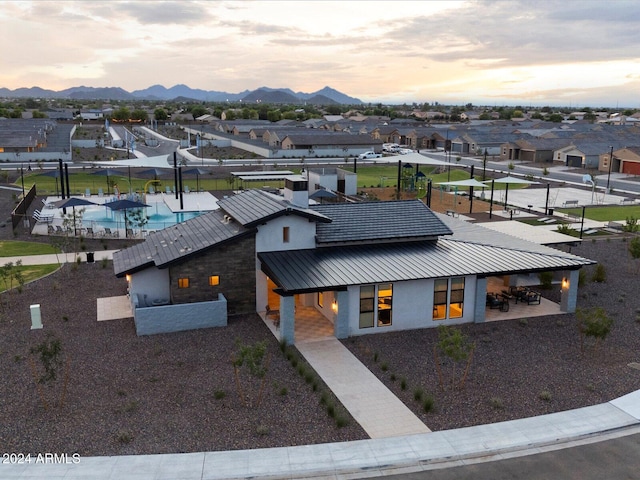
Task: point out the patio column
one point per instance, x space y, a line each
480 300
341 317
569 289
287 319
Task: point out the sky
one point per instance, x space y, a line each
486 52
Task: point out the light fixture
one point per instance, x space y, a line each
565 282
334 307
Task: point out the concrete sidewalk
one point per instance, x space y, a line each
380 413
60 258
364 458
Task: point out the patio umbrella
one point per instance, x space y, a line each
197 172
125 205
55 174
109 172
73 202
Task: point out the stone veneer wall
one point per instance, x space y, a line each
233 262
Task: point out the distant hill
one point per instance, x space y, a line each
325 96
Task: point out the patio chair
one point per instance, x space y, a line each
167 189
87 192
151 189
274 315
100 193
186 189
90 232
129 233
493 301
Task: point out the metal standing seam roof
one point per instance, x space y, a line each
339 267
166 246
375 221
253 207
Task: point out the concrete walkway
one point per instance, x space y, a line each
380 413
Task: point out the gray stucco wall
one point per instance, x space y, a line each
178 318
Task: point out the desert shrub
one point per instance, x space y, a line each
593 323
546 280
545 396
599 274
429 403
496 402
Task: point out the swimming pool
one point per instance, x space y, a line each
159 216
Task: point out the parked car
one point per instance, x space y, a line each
370 154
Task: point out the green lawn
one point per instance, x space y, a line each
11 248
605 213
30 273
80 181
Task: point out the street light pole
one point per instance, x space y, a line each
22 178
484 166
610 163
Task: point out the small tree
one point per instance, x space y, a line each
254 360
631 225
455 346
593 323
49 356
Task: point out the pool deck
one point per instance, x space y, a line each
191 202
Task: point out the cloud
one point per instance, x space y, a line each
165 13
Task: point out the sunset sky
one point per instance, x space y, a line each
578 53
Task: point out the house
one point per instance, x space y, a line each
625 160
366 268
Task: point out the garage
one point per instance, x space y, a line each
574 161
632 168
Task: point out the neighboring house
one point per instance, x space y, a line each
581 154
625 160
367 267
91 114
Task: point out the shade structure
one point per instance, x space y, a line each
156 172
415 158
55 174
197 172
469 182
508 180
322 194
124 205
109 172
73 202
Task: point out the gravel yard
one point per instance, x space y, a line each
177 392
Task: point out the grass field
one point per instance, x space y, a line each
12 248
368 176
605 213
29 273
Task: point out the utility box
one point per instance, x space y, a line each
36 317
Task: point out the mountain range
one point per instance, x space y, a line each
325 96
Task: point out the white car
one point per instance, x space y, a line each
370 154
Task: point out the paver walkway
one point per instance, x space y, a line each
380 413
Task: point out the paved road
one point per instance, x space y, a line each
615 459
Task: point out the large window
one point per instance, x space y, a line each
367 302
376 302
385 302
440 288
448 298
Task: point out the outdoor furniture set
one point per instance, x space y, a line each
525 295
